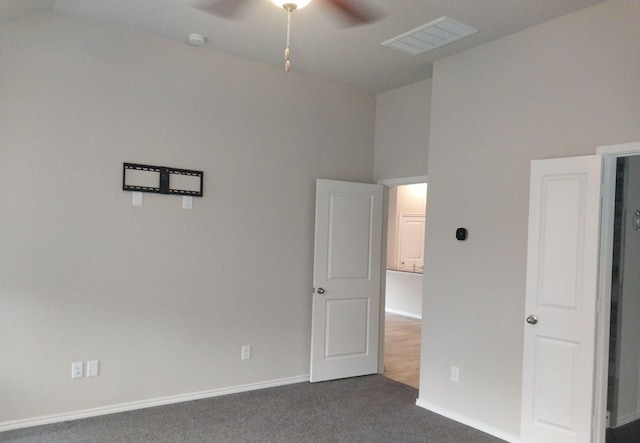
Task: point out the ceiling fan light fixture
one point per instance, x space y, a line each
291 4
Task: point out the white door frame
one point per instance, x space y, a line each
610 154
387 183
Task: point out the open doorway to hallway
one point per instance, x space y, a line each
623 399
404 268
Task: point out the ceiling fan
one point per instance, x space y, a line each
353 11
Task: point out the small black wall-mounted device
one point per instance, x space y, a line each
461 234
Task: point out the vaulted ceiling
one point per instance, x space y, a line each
321 44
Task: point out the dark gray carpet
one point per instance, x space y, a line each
629 433
365 409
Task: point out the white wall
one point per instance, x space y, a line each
558 89
402 131
401 151
163 297
403 293
412 199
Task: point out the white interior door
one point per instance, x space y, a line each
347 270
411 241
561 296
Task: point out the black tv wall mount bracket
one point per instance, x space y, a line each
161 180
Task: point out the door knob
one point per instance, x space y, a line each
320 290
532 319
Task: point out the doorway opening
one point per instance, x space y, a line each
623 384
404 270
602 424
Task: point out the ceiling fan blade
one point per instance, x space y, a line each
230 9
356 14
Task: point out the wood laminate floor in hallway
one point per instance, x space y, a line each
402 337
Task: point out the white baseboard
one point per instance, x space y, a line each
403 313
468 421
123 407
628 418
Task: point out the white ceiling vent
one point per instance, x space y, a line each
439 32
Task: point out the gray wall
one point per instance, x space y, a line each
558 89
163 297
402 131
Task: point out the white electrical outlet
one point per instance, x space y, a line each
246 352
77 369
93 367
455 374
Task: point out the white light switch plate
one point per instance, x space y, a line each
187 202
455 374
136 198
93 368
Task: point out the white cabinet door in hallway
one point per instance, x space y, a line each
411 241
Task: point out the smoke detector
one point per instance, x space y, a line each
196 39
